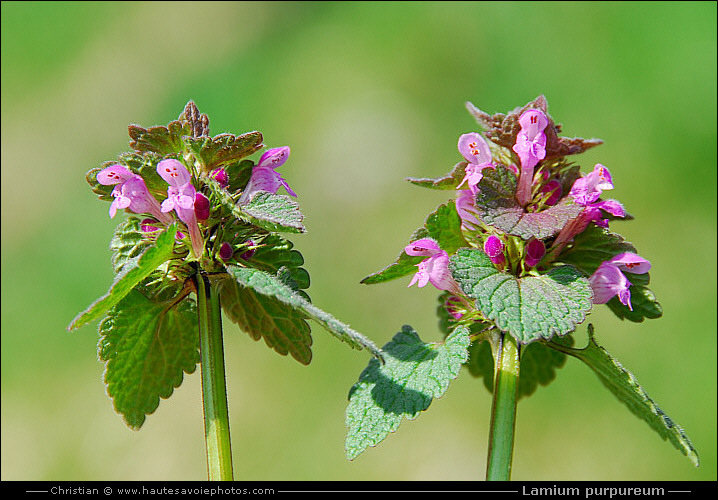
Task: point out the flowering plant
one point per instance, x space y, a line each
521 257
201 237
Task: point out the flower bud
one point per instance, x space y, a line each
535 250
226 251
494 248
220 175
201 207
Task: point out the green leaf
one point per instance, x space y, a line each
596 245
128 243
530 307
162 140
224 149
283 327
449 181
132 273
443 226
539 364
414 373
623 384
275 254
270 286
644 305
496 205
273 212
146 346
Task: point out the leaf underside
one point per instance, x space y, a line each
414 373
623 384
449 181
270 286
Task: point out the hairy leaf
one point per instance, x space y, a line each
132 273
449 181
146 346
162 140
623 384
274 212
443 225
265 284
496 205
414 373
224 149
283 327
267 211
530 307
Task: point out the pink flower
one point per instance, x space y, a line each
608 280
466 208
130 192
454 307
476 150
535 250
425 247
265 177
494 248
435 268
588 189
530 146
181 195
631 263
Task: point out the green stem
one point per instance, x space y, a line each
503 409
214 391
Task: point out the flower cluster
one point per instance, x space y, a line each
185 197
553 201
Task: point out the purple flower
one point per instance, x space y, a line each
588 189
476 150
130 192
265 177
630 262
425 247
608 280
530 146
494 248
435 268
181 195
220 175
586 192
535 250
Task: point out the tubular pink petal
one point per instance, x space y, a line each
474 148
173 172
274 158
114 174
425 247
631 263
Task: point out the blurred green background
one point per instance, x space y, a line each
365 94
